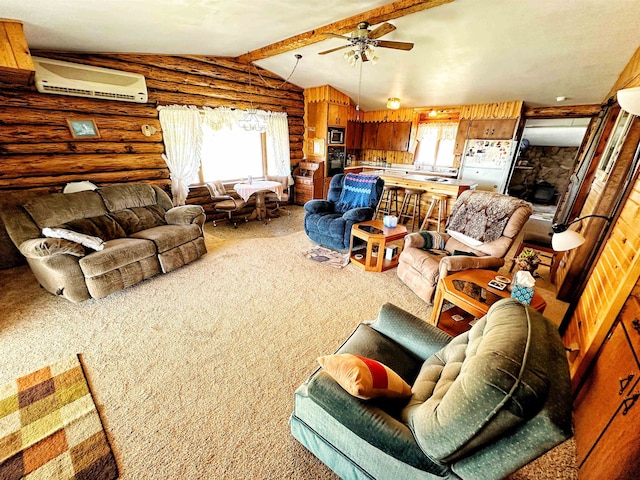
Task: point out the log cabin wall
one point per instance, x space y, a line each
38 153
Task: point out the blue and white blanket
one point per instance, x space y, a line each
358 191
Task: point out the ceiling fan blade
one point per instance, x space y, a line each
364 57
396 45
333 49
336 35
381 30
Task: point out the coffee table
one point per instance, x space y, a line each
471 297
377 238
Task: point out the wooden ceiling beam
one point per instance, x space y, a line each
565 111
375 16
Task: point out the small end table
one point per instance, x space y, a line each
472 297
377 238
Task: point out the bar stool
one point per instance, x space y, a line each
412 197
388 199
441 201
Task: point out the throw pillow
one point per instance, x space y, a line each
88 241
363 377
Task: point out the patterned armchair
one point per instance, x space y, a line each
351 199
479 233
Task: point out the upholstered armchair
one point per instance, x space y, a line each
478 234
478 406
224 202
351 199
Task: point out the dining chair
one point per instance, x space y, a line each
272 198
225 202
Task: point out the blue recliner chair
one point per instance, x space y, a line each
351 199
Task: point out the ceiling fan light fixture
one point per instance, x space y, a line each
393 103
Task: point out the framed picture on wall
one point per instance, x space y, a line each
83 128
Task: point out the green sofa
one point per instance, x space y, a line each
483 404
92 243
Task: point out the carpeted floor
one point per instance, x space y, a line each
193 372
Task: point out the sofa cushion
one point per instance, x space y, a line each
364 377
166 237
104 227
58 208
484 383
135 219
128 195
116 254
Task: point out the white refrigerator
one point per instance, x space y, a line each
488 163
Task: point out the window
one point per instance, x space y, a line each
612 150
435 144
230 154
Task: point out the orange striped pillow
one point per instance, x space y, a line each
363 377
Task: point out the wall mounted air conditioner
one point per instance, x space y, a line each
66 78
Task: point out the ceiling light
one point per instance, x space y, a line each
629 100
252 121
560 99
433 113
393 103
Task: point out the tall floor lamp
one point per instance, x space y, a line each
564 239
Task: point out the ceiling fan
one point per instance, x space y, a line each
362 41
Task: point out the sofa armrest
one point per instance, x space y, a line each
360 214
416 335
319 206
49 247
184 215
417 240
456 263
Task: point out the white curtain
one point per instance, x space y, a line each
278 153
221 117
428 140
182 134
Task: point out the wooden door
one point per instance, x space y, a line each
503 129
614 373
338 115
385 136
400 138
354 135
461 137
369 135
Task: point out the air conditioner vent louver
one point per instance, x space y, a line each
65 78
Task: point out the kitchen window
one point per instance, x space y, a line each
435 144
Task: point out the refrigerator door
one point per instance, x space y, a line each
489 179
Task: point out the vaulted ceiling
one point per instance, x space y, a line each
466 51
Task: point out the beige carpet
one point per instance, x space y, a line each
193 372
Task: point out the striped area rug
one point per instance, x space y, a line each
50 428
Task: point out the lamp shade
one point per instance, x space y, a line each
629 100
393 103
567 240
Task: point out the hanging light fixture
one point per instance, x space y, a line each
252 121
629 100
393 103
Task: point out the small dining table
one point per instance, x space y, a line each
259 188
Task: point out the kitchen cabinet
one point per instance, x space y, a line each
337 115
391 136
369 135
461 137
492 129
16 64
606 409
354 135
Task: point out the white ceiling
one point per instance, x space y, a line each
467 51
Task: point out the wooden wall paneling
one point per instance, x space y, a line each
614 276
602 200
492 110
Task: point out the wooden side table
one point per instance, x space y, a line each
472 297
377 237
